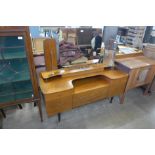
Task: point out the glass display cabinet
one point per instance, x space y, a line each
18 83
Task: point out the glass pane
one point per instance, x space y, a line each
15 80
12 47
6 92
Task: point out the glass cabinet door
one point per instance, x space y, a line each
15 81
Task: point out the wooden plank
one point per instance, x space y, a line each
50 54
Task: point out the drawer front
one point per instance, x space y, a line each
57 103
89 96
117 87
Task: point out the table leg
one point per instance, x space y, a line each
3 113
20 106
59 117
111 99
146 92
40 110
121 98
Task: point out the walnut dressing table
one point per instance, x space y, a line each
80 85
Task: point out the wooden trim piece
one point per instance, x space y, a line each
28 100
50 54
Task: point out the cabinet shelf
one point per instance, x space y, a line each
135 33
88 84
12 52
15 91
14 71
17 78
15 97
12 47
15 88
13 55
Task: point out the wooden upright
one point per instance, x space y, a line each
50 53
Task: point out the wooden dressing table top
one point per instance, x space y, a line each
65 82
136 62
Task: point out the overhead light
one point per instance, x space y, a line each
20 37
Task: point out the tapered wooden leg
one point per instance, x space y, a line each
40 110
59 117
3 113
121 98
146 92
111 99
20 106
35 104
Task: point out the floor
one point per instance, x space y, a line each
137 112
